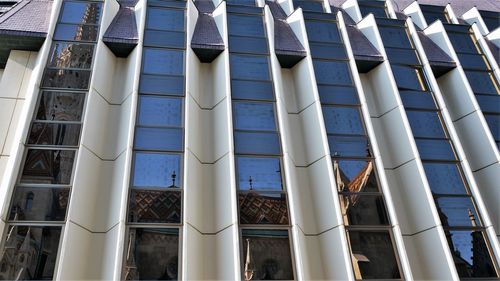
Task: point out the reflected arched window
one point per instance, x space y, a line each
29 201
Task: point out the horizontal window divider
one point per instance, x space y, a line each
332 60
251 80
154 225
36 223
351 158
246 36
465 228
433 138
281 191
372 193
63 122
155 188
50 147
260 155
256 131
348 135
44 185
167 30
141 149
53 89
265 226
68 68
357 227
159 127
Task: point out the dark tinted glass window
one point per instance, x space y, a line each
489 103
373 253
349 146
328 51
343 120
444 178
167 139
169 39
76 32
258 90
249 67
162 85
338 95
81 12
245 25
425 124
251 45
417 99
355 175
402 56
167 3
462 42
473 61
60 106
257 143
263 208
378 12
435 149
309 5
457 211
408 78
39 204
54 134
66 79
165 19
323 31
470 253
154 252
332 72
158 170
254 116
155 206
71 55
394 37
48 166
259 173
43 244
275 264
482 82
160 111
162 61
494 125
363 209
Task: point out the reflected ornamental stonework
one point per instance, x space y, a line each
263 208
154 206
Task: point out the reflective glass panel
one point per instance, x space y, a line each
71 55
257 143
259 173
444 178
60 106
403 56
36 246
408 78
263 208
417 99
349 146
250 45
76 32
343 120
378 12
393 36
158 170
254 116
66 79
425 124
323 31
355 175
54 134
435 149
164 62
473 61
165 19
48 166
270 254
249 67
482 82
309 5
363 209
39 204
328 51
80 12
470 253
167 3
462 42
151 254
457 211
257 90
244 25
160 111
162 85
489 103
494 124
338 95
166 139
159 38
155 206
332 72
373 253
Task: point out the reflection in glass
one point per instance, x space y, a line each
249 67
54 134
259 173
378 12
254 116
425 124
163 61
328 51
154 206
60 106
264 143
482 82
332 72
349 146
408 77
470 253
343 120
168 39
30 252
162 85
444 178
159 170
338 95
493 121
417 99
251 45
435 149
245 25
323 31
263 208
257 90
355 175
76 32
160 111
165 19
166 139
402 56
48 166
39 204
457 211
151 254
373 255
393 36
66 79
80 12
266 255
71 55
360 209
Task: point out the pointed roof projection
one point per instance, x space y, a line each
366 55
207 42
287 46
440 62
121 37
24 27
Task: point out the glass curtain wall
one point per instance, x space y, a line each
41 196
479 73
368 226
375 7
434 13
264 220
456 207
155 198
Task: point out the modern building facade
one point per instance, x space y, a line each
249 140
